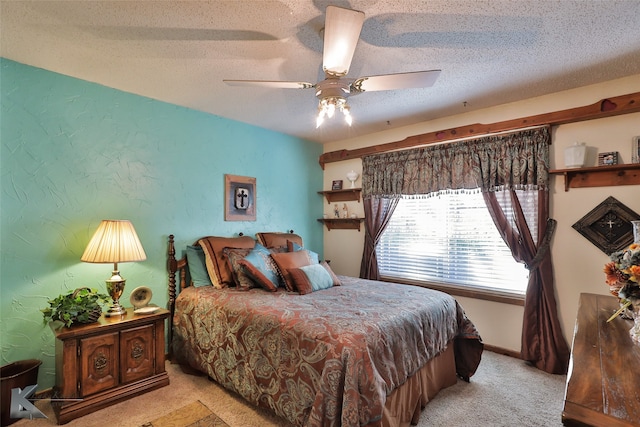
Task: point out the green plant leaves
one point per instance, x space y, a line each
77 306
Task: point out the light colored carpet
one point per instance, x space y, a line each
503 392
195 414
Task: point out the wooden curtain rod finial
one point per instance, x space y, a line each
607 107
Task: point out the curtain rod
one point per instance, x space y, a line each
608 107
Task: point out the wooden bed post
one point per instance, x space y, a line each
172 266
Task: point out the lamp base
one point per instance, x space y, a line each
115 310
115 287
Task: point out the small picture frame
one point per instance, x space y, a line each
239 198
336 185
635 150
608 159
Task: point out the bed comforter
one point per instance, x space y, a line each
327 358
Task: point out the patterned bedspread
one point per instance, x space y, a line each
327 358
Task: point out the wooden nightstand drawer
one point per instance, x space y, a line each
108 361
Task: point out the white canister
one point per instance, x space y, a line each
574 155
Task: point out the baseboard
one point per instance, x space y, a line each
503 351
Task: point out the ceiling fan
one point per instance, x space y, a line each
341 34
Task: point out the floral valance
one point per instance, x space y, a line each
510 161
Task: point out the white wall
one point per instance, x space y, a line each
577 262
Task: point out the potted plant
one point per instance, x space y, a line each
84 305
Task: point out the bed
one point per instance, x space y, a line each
347 352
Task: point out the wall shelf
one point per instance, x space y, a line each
341 223
600 176
342 195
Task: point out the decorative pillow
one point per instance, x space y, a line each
288 260
294 247
241 279
313 277
277 240
217 266
197 267
336 281
259 265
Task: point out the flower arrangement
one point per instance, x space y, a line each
623 276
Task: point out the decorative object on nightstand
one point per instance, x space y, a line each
574 155
80 306
140 297
114 241
353 176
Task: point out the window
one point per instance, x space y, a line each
451 239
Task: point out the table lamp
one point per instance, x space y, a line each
114 241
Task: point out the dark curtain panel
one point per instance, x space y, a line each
377 212
514 161
543 343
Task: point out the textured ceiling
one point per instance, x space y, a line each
490 52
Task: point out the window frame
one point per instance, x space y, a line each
456 290
489 294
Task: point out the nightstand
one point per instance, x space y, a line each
105 362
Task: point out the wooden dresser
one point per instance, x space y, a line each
108 361
603 382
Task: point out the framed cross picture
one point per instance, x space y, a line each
239 198
608 225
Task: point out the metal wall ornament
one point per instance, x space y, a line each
608 226
239 198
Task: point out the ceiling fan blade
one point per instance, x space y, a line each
271 84
341 34
395 81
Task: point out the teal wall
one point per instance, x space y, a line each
74 153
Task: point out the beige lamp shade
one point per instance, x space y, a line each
114 241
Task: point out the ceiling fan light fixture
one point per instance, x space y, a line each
328 106
346 110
